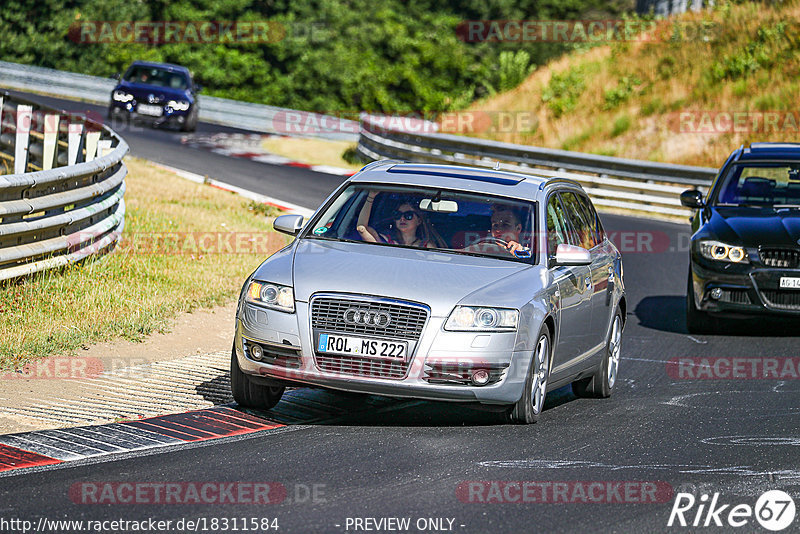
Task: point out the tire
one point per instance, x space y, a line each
601 384
251 395
528 408
191 121
697 322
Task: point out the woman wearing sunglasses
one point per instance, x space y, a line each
407 227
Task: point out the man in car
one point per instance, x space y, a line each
507 226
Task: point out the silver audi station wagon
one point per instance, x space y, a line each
437 282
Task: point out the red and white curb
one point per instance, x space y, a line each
51 447
247 146
263 199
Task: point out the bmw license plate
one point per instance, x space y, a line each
362 346
790 283
147 109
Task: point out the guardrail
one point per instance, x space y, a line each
626 184
255 117
63 200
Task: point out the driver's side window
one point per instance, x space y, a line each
556 226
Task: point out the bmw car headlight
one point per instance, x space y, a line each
714 250
271 295
469 318
178 105
122 96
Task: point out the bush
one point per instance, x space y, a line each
562 92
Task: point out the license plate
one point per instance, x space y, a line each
147 109
362 346
790 283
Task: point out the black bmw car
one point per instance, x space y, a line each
745 247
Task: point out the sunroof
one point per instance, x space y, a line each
465 173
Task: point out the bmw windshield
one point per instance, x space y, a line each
761 185
448 221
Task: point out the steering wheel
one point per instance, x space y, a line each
501 244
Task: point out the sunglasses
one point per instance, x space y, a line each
407 215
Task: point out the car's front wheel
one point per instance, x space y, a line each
601 384
529 407
246 393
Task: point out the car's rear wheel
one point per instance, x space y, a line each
529 407
246 393
601 384
697 321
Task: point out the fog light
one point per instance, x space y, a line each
256 352
480 377
716 293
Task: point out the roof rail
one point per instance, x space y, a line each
556 179
380 163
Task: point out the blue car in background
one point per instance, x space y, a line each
159 93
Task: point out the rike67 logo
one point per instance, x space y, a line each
774 510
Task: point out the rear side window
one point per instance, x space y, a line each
591 213
584 228
557 231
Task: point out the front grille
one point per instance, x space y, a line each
407 321
735 296
358 366
785 300
780 257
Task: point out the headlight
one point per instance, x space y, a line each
178 105
271 295
122 96
714 250
480 319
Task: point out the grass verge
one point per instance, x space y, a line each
311 151
185 246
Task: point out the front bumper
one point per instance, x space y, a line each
751 290
168 116
438 369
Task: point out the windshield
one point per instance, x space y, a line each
761 184
455 222
156 76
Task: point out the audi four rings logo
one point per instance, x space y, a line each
365 317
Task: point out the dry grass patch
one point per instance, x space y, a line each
185 246
311 151
733 58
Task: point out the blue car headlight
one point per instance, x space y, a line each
273 296
122 96
178 105
471 318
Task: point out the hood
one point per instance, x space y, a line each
141 92
437 279
752 227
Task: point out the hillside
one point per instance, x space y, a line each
708 82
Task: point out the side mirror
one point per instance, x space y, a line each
692 199
198 88
572 255
115 76
288 224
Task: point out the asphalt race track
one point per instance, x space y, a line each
666 427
